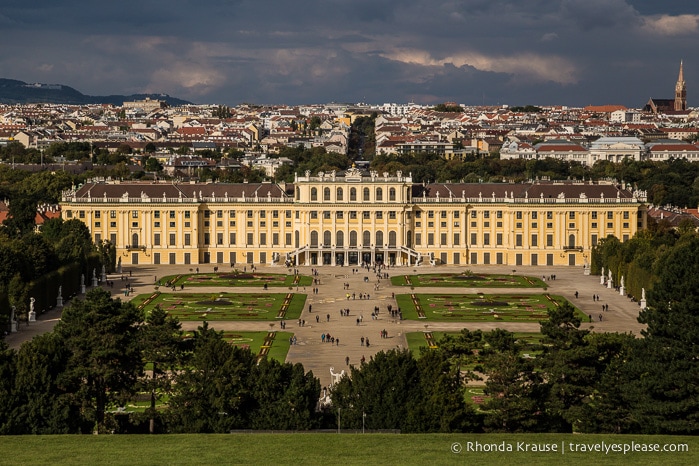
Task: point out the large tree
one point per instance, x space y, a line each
664 368
101 335
212 392
162 346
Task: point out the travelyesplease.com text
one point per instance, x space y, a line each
564 447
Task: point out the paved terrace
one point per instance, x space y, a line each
319 357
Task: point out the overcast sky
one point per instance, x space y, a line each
517 52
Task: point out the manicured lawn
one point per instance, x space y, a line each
468 280
254 341
531 341
225 306
479 307
348 449
236 278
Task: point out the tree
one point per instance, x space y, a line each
286 396
516 402
161 343
21 215
43 405
385 389
664 374
212 393
7 392
153 165
101 336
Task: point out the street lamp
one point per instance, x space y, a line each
363 419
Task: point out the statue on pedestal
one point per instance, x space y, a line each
59 298
31 317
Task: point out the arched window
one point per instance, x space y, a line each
298 193
296 239
392 194
409 239
366 194
314 194
407 194
379 239
326 194
327 238
571 241
366 238
379 194
353 239
353 194
391 239
314 239
134 240
340 239
339 194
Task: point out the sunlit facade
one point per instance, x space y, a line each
355 217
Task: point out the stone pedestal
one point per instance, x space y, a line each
601 280
94 281
59 301
586 271
622 290
32 316
14 326
82 289
610 284
643 304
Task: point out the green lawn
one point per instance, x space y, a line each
224 306
468 280
235 278
531 341
255 340
348 449
479 307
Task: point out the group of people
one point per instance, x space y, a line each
327 338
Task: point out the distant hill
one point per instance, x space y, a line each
13 91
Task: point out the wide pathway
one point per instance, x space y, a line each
325 317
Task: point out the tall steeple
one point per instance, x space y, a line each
680 92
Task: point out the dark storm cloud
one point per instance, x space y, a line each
573 52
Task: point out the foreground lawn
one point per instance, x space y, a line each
346 449
235 278
468 280
224 306
479 307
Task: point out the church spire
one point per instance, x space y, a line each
680 91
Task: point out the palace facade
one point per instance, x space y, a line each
354 217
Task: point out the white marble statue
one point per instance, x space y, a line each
643 293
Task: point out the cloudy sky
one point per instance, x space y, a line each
517 52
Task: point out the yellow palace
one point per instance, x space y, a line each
354 217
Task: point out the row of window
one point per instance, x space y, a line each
339 194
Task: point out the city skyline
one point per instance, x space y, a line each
476 52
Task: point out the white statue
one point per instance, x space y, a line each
643 294
622 281
610 274
31 317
